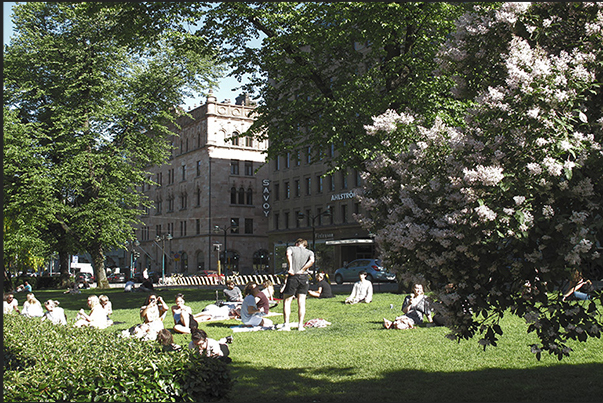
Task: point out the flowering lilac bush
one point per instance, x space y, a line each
503 208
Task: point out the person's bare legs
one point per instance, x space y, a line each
287 309
301 310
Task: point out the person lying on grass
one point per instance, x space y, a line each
415 306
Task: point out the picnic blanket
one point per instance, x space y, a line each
311 323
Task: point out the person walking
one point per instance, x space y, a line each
297 284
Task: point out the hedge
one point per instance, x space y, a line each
45 362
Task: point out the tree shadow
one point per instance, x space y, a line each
327 384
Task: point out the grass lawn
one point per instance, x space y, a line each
356 359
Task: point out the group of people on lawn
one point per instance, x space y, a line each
251 306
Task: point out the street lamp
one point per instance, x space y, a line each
217 228
327 212
162 238
133 254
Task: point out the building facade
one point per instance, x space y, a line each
208 194
306 201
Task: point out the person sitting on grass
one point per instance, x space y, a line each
210 347
415 306
32 308
184 321
152 313
108 307
97 317
11 305
362 291
251 314
323 288
232 293
54 313
165 338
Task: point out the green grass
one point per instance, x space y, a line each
355 359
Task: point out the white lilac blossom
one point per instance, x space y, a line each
502 193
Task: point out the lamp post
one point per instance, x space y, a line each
217 229
327 212
131 245
162 238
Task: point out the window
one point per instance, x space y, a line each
158 207
277 189
198 197
159 179
297 188
344 179
198 168
249 225
344 213
288 160
249 200
234 138
277 163
241 195
183 173
158 229
170 206
297 219
308 185
198 226
183 201
233 195
331 151
298 158
234 167
319 215
248 141
308 218
331 183
287 220
309 155
249 168
358 178
276 217
182 228
287 190
319 183
234 229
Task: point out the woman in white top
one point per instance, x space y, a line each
362 291
54 313
32 307
153 312
107 306
97 317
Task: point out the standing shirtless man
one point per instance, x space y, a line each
300 260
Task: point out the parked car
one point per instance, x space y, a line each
209 273
117 278
375 272
84 276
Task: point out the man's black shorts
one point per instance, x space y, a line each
297 284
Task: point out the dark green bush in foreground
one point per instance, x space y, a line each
46 362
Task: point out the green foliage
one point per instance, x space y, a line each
335 64
87 110
60 363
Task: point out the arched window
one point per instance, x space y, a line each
233 195
241 195
249 197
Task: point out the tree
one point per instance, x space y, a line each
98 103
497 214
325 68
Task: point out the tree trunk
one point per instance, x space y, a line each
64 268
98 261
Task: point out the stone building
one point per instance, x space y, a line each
305 201
209 191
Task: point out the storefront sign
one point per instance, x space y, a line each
266 196
343 196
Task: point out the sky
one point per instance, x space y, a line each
221 93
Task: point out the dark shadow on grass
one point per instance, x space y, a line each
559 383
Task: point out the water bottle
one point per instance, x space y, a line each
391 306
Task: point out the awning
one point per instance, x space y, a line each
350 242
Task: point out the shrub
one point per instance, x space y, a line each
45 362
